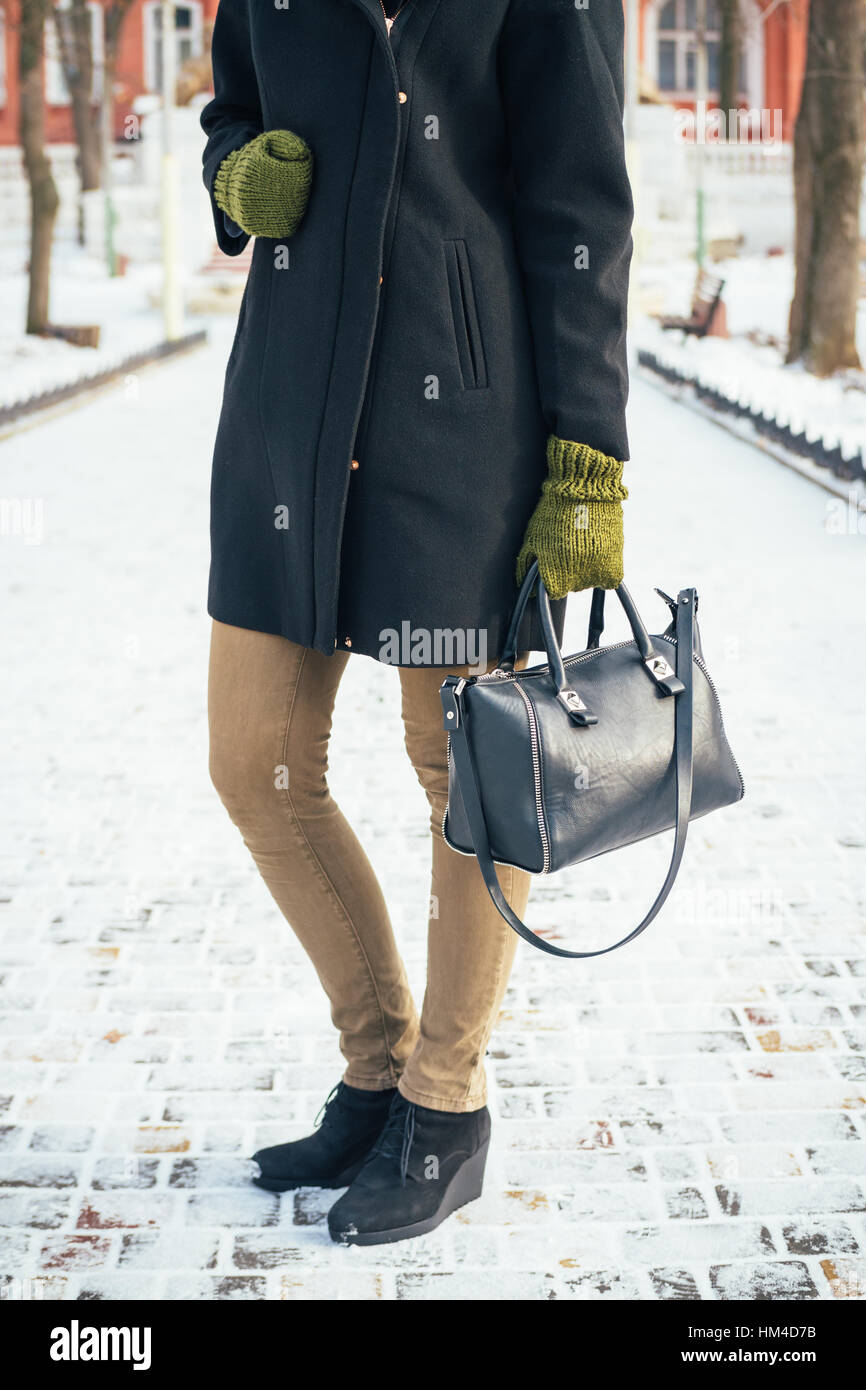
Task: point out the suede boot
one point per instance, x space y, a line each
424 1165
351 1121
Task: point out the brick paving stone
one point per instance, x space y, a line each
245 1207
339 1285
267 1250
458 1286
113 1285
846 1277
169 1249
69 1252
62 1139
130 1171
15 1252
674 1284
210 1172
598 1284
765 1281
797 1196
17 1171
39 1213
819 1237
797 1127
758 1161
704 1243
685 1119
101 1211
686 1204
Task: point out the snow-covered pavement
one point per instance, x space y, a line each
684 1119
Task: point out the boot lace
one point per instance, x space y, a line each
397 1137
323 1118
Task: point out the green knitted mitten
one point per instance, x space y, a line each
265 185
575 532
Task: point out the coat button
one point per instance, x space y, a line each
402 98
348 642
355 465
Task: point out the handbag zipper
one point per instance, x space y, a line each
536 777
536 772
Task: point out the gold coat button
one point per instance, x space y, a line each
402 98
355 465
348 642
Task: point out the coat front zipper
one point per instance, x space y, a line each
387 245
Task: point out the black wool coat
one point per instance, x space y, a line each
456 293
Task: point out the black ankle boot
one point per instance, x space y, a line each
351 1121
424 1165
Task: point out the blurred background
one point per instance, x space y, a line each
685 1119
734 198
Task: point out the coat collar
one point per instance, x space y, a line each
376 15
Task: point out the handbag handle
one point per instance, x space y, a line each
656 664
456 721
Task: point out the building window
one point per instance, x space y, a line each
56 90
677 51
188 39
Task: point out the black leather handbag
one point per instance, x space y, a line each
562 762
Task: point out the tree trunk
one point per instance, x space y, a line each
44 200
730 58
74 39
828 174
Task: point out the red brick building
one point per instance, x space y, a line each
772 70
774 53
138 65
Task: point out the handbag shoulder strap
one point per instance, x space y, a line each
683 762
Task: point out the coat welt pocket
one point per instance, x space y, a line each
464 315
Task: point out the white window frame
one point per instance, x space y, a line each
753 53
151 32
56 90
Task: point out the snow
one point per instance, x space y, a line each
665 1118
81 293
749 366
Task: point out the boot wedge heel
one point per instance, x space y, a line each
464 1187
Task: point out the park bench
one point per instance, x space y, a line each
706 301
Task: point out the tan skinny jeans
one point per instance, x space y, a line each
270 706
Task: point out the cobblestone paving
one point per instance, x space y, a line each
683 1120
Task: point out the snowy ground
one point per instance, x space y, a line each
684 1119
749 366
82 293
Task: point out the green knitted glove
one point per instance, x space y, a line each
575 532
265 185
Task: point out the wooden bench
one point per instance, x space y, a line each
706 302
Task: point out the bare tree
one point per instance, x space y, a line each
730 57
44 199
72 24
828 175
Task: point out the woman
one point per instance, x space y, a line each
427 389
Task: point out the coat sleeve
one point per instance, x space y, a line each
234 116
561 70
